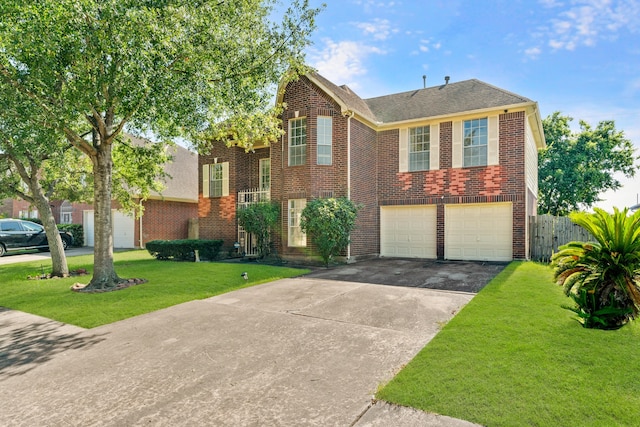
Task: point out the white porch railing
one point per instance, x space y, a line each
248 242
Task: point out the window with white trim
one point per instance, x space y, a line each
419 148
324 140
215 180
475 142
296 237
297 141
217 177
265 174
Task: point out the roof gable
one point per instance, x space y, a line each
348 100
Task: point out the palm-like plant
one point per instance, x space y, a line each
603 277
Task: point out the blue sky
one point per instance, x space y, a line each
580 57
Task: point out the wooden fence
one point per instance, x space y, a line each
547 233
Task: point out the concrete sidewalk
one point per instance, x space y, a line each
288 353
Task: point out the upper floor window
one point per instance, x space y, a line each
475 142
215 180
297 141
265 174
217 177
324 140
419 147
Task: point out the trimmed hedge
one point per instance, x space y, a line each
76 230
184 250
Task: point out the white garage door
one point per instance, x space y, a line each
123 229
408 231
482 232
87 224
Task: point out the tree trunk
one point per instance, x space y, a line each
59 265
28 171
104 274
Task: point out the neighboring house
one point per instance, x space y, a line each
447 172
17 208
166 215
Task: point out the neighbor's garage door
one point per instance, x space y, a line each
408 231
123 229
482 232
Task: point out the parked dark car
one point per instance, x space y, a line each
17 235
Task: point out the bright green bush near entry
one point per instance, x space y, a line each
184 250
258 219
603 277
328 223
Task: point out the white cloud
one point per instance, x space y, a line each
585 22
380 29
427 44
533 52
369 5
343 61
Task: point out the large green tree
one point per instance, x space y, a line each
576 167
23 166
170 67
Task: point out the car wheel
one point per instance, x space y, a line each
65 244
2 250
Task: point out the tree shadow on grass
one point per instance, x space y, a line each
25 348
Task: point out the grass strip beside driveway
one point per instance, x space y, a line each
514 357
169 283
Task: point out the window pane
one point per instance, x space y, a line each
475 142
215 185
297 141
419 146
324 140
296 236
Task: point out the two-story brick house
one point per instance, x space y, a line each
446 172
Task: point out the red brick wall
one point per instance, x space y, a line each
217 216
375 177
165 220
365 240
310 180
503 182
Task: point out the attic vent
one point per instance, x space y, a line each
446 80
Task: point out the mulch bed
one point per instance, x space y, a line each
124 284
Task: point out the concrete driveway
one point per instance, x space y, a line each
24 256
463 276
295 352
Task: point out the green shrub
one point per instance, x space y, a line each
76 230
258 219
36 220
603 277
184 250
329 222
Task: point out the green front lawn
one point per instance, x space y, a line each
514 357
169 283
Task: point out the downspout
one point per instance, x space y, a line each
140 226
349 115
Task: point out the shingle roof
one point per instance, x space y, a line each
182 182
345 95
435 101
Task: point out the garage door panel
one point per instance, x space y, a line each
479 232
408 231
